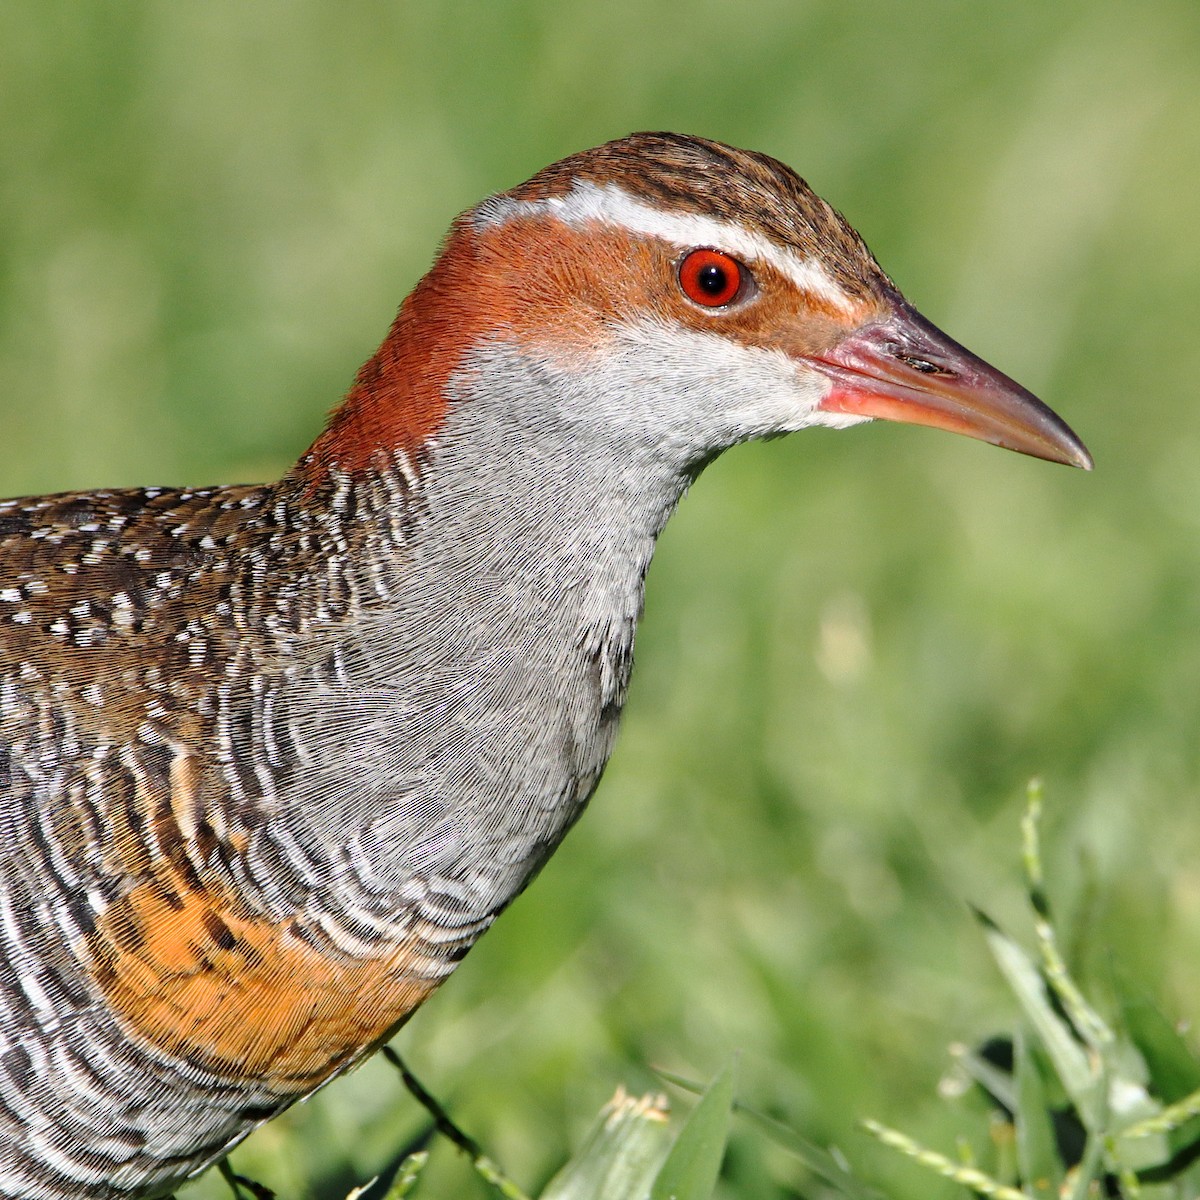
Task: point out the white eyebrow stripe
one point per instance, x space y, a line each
587 202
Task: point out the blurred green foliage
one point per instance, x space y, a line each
857 647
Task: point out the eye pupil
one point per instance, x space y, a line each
712 279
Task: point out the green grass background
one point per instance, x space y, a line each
857 647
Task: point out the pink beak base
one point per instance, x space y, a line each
903 368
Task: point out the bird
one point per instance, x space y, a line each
273 757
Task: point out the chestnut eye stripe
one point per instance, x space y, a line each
588 202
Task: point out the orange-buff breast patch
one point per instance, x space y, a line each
244 997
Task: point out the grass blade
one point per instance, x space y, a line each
621 1155
1037 1153
827 1165
691 1169
1083 1084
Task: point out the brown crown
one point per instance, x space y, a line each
690 174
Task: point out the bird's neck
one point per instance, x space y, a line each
525 464
466 700
515 520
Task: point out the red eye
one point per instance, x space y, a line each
710 278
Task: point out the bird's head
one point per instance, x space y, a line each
678 290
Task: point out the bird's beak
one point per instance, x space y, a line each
902 368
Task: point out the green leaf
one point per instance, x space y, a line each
406 1178
1037 1153
692 1167
1173 1075
1174 1071
998 1083
621 1154
1082 1083
828 1166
